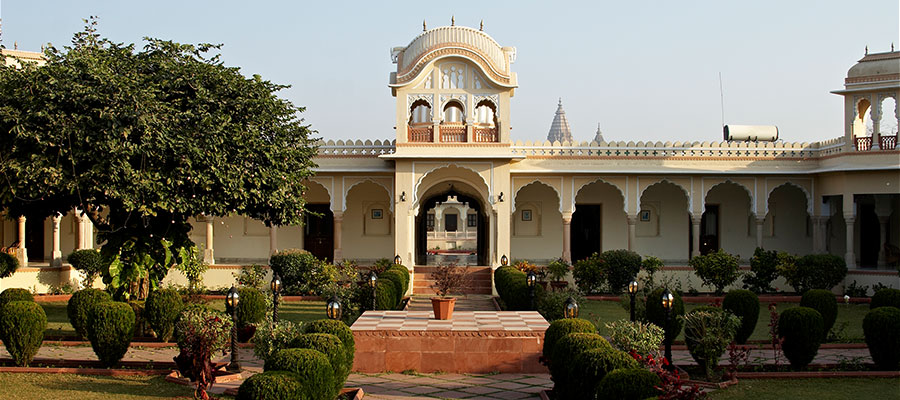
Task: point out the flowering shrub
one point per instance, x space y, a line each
643 338
672 386
201 333
271 337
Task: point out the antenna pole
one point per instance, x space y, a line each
722 98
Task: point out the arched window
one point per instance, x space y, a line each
486 113
453 113
420 112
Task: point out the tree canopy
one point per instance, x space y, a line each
142 140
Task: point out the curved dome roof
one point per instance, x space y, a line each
462 41
875 67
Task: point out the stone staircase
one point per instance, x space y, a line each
480 280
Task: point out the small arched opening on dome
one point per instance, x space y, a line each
887 126
862 125
454 113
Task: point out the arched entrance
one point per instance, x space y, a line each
450 233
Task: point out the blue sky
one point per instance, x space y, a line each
644 70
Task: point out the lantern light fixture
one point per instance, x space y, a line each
398 260
571 308
333 309
504 261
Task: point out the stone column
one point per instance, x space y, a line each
632 236
338 221
818 225
273 239
883 223
21 251
209 252
56 255
567 237
849 256
759 231
695 229
876 125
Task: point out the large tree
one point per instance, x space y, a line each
141 140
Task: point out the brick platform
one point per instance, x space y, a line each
472 342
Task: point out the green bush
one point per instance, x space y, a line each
880 327
745 305
110 326
551 303
312 369
512 288
763 270
251 307
386 295
404 275
88 261
14 294
336 328
396 278
557 270
562 327
271 337
8 265
824 302
812 271
272 385
301 272
620 267
801 331
589 274
331 347
707 332
718 269
887 297
566 349
589 367
161 310
629 384
656 314
643 338
80 304
22 325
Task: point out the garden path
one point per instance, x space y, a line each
471 302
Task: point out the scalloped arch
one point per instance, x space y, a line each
488 188
687 195
327 190
746 189
389 191
621 192
532 182
809 209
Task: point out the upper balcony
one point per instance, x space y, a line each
452 133
885 142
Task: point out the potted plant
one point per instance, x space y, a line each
557 270
447 279
527 266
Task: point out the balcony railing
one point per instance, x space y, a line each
421 134
863 143
459 235
486 135
453 133
888 142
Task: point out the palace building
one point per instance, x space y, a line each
453 181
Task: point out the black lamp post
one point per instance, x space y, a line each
398 260
333 308
531 279
504 261
668 302
373 278
632 291
276 292
571 308
231 302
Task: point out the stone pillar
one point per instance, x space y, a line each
849 256
632 236
56 255
759 231
21 251
695 229
273 239
84 232
209 252
338 221
567 237
876 124
818 226
883 223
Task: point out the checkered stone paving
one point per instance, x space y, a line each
529 321
451 386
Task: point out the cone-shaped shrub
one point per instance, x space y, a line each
824 302
331 347
397 278
161 310
591 366
79 304
386 295
110 326
14 294
888 297
251 307
271 385
312 369
404 276
881 326
562 327
336 328
745 305
565 351
629 384
800 329
22 325
657 314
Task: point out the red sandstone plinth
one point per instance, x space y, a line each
472 342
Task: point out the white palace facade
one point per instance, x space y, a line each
453 158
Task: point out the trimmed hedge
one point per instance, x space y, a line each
562 327
301 272
880 327
386 297
565 384
161 310
14 294
656 314
404 275
110 326
336 328
88 261
312 370
620 267
629 384
80 304
8 265
251 307
719 269
887 297
824 302
801 331
396 278
272 385
331 347
745 305
812 271
589 367
512 288
22 325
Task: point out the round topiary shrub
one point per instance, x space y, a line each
336 328
14 294
567 349
591 366
251 307
301 272
824 302
657 314
629 384
22 325
312 369
888 297
89 262
718 269
110 326
562 327
512 288
396 278
271 385
800 329
79 304
386 295
880 327
745 305
331 347
161 310
620 267
8 265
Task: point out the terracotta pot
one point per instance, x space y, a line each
443 307
559 284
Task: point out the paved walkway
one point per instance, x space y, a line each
472 302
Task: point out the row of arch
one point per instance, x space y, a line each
454 112
866 113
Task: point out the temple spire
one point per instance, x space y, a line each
599 136
559 128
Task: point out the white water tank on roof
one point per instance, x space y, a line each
755 133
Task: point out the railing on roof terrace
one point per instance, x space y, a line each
679 149
888 142
356 147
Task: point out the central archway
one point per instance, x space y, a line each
452 192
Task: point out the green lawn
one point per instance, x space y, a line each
819 389
852 315
88 387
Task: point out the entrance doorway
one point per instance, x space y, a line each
318 234
587 231
451 228
34 238
709 230
870 239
